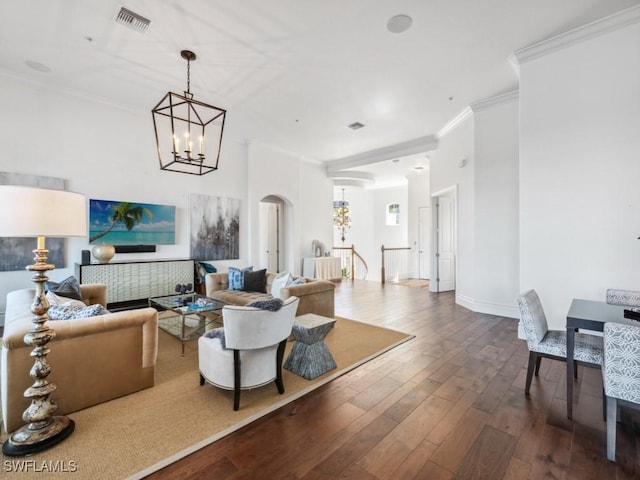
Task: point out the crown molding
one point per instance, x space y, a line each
496 100
411 147
461 117
580 34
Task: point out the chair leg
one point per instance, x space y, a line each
538 360
201 380
279 358
612 409
534 361
575 370
236 379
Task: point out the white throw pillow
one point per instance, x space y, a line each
279 282
54 299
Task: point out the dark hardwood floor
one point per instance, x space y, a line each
448 404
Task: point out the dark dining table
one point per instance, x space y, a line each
588 315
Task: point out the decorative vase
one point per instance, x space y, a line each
103 253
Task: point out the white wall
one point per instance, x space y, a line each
579 170
107 152
308 201
496 206
362 231
445 172
418 196
391 236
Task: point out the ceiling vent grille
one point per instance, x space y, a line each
132 20
356 126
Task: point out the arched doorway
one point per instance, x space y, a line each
272 233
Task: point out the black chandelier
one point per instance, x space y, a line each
179 122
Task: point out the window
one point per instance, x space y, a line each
393 214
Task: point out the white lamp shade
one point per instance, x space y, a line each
39 212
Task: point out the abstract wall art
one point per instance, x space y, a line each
215 225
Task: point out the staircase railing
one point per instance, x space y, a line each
352 263
395 262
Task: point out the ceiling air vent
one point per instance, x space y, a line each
356 126
132 20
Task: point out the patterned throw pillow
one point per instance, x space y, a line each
297 281
236 277
68 312
69 287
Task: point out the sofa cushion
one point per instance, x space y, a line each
255 281
239 297
68 312
236 277
69 287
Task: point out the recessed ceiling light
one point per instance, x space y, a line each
399 23
395 160
418 168
356 126
37 66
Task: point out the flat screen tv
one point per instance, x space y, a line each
128 223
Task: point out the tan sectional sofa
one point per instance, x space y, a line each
316 296
92 359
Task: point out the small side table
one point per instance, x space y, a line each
310 356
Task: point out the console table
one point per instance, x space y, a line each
322 268
131 284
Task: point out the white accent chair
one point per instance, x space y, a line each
552 344
255 343
620 375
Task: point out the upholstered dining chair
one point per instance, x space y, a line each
248 351
552 344
620 375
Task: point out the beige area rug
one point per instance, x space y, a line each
135 435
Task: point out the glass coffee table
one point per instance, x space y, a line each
194 312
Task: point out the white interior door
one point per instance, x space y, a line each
445 224
424 242
269 235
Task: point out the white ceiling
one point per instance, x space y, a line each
292 73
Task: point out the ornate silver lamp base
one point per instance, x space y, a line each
29 439
43 429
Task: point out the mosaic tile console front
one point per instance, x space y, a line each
131 281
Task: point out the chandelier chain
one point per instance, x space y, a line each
188 76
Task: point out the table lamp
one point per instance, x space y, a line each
40 213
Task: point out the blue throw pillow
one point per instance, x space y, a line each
236 277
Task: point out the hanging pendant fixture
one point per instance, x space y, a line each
341 216
180 122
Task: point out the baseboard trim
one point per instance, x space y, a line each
486 307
